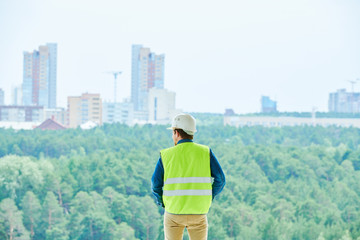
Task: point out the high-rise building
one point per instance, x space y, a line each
147 72
16 96
161 106
2 97
268 105
39 76
344 102
52 73
84 108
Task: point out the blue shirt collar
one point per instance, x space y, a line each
184 140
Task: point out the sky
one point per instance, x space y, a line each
218 54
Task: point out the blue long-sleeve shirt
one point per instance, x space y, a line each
157 180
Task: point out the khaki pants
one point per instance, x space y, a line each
196 225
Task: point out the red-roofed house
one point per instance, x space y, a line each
51 124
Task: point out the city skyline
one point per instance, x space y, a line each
220 56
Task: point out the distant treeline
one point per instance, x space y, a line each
209 119
282 183
306 114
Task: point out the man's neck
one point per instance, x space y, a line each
184 140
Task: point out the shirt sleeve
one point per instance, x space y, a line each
218 175
157 183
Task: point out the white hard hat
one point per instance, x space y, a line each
185 122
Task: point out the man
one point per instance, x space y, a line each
182 182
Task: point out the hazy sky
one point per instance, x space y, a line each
218 54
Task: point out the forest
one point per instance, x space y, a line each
282 183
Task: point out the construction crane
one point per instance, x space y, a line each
115 73
353 82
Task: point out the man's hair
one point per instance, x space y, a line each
183 134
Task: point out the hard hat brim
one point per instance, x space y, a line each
190 133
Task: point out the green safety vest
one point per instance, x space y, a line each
187 179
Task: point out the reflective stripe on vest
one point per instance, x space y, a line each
191 192
187 179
